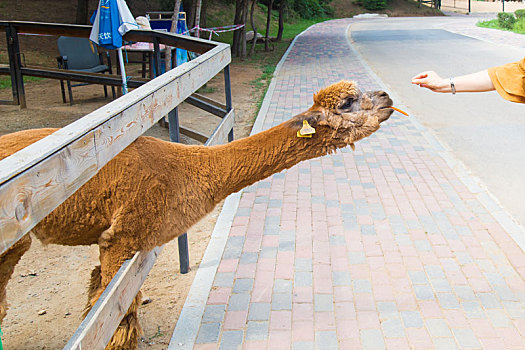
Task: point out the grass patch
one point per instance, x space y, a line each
205 89
518 27
5 82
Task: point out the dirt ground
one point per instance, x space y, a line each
47 292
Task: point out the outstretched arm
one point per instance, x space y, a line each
475 82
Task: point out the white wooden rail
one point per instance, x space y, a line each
38 178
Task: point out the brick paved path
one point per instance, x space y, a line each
384 247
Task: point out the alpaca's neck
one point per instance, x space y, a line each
248 160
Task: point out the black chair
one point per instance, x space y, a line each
80 54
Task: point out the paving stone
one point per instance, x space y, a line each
287 245
303 279
434 272
362 286
441 285
356 258
214 313
387 310
283 286
448 300
499 318
412 319
268 252
281 301
393 328
341 278
424 292
272 221
303 265
514 309
231 340
466 338
418 277
473 309
323 302
243 285
438 328
208 333
326 340
368 230
489 301
224 279
372 339
338 241
275 203
303 345
445 344
239 302
257 330
422 245
259 312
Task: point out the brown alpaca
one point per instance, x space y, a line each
153 191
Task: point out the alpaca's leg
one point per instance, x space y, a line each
8 261
111 258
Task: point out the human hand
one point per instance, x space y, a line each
432 81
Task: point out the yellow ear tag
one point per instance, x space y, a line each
306 130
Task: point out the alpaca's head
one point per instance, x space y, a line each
343 114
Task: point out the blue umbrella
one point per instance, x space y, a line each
112 20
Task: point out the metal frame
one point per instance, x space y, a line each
38 178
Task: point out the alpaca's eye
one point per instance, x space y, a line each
347 103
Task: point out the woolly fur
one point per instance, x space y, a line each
153 191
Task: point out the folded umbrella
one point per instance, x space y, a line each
113 19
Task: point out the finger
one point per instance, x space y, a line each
420 75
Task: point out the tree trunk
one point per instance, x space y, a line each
204 13
174 20
254 41
82 12
197 18
282 7
268 19
246 4
189 8
237 33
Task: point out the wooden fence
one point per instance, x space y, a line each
38 178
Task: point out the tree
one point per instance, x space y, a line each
282 7
268 19
82 12
237 34
254 41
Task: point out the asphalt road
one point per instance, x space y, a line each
482 130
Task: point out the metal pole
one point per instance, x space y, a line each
184 259
156 55
14 66
228 92
503 3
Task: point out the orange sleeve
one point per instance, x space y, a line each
509 80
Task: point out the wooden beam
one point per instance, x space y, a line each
38 178
194 134
101 322
220 135
84 77
205 105
83 31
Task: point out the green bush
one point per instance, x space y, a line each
374 5
519 26
506 20
520 14
309 9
